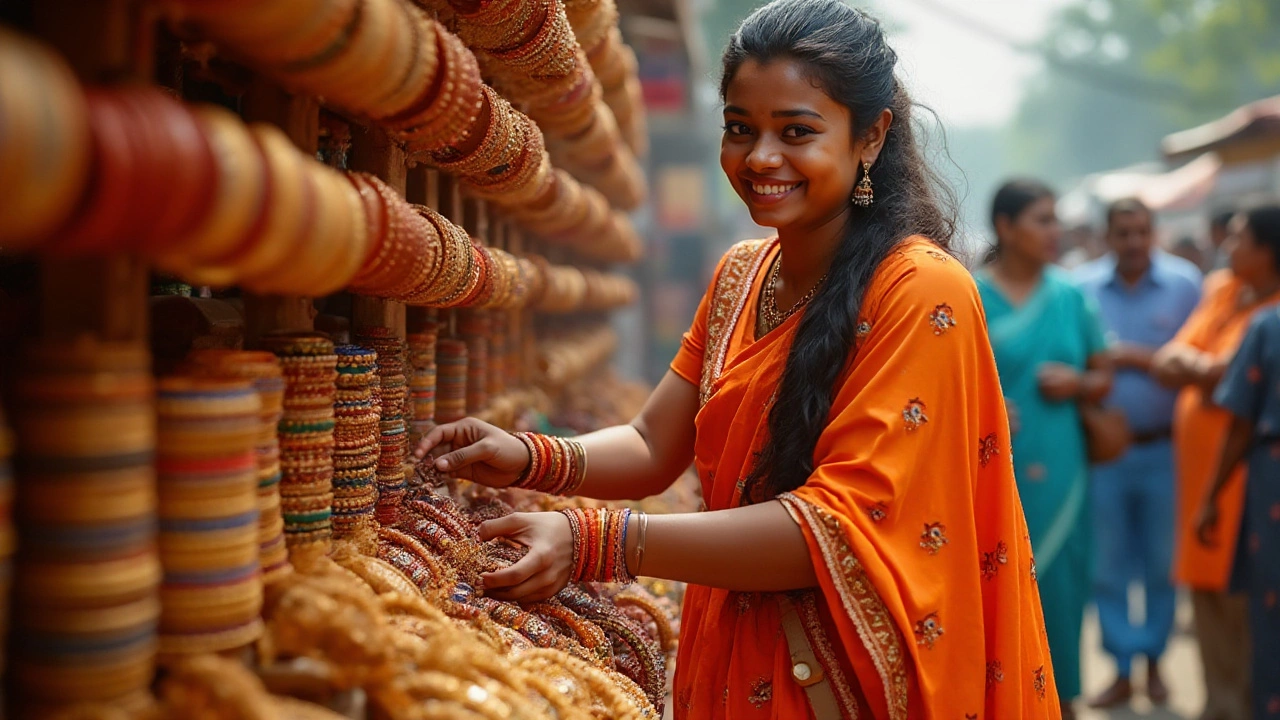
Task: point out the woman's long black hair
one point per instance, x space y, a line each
1263 219
845 52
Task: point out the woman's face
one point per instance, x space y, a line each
787 147
1033 234
1250 261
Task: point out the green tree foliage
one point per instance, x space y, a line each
1120 74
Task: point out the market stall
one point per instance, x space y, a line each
276 241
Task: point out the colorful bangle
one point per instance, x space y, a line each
557 466
599 544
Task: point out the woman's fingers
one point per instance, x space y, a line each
509 577
465 456
540 586
501 527
439 434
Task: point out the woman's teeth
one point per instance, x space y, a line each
772 189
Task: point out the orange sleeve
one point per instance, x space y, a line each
1195 332
913 490
688 361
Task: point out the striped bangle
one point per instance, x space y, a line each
557 466
599 544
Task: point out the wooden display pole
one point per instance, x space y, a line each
372 151
104 298
299 118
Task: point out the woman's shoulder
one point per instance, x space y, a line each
1267 321
1062 283
745 249
919 267
736 262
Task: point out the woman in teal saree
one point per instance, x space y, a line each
1050 353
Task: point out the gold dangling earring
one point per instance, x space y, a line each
863 194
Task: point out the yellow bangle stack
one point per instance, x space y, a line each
207 467
263 370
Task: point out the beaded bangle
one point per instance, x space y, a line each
599 544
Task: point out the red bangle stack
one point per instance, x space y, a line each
557 466
599 544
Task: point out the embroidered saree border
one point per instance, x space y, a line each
728 300
859 599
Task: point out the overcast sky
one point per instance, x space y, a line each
967 78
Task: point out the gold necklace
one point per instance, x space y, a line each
769 308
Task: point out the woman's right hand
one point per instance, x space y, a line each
1015 418
475 450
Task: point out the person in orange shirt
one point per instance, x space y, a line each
1195 361
864 552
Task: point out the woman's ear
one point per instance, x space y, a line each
874 136
1004 226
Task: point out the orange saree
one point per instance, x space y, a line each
927 605
1217 326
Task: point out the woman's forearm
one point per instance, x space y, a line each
1233 451
756 548
1095 385
629 462
622 465
1174 366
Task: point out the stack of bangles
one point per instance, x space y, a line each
600 544
557 466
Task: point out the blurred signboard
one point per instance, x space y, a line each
681 196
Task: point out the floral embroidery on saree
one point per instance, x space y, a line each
933 538
929 630
728 300
988 447
942 319
859 600
995 672
913 414
761 693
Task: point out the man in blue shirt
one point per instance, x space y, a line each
1144 295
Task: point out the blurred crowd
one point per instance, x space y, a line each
1143 388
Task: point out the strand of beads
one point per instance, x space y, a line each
211 597
263 369
86 574
306 442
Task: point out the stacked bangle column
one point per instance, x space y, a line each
211 597
306 442
86 577
393 428
263 370
356 449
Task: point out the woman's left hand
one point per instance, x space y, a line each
545 570
1059 382
1207 523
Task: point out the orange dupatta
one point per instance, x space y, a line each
1217 327
927 605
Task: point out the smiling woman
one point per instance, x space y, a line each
864 553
